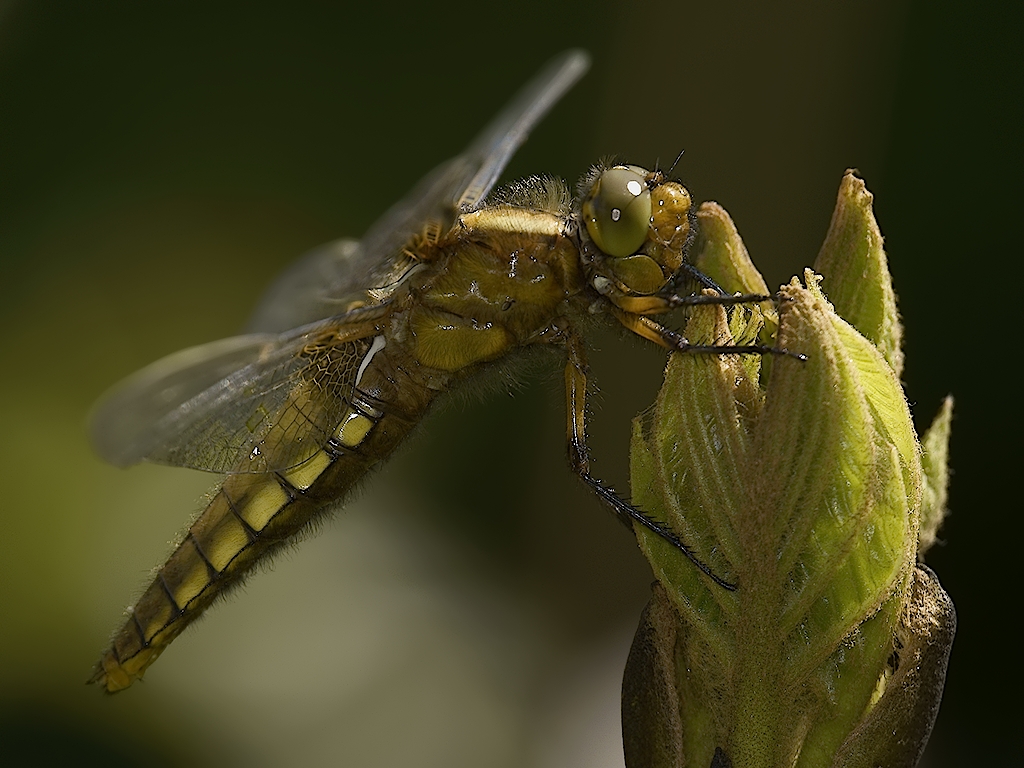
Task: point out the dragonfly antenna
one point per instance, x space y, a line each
674 164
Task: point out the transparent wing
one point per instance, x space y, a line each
328 279
301 294
268 400
254 403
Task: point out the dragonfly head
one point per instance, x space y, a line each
636 228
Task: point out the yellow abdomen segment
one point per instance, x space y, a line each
248 517
200 568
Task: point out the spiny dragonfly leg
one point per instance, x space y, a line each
579 459
695 274
722 299
651 330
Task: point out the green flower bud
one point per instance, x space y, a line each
803 484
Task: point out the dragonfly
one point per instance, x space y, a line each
348 349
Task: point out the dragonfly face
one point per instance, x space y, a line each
349 348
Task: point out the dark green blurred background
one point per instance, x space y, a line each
159 163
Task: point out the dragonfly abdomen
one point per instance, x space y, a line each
249 517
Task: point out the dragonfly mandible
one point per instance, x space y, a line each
349 348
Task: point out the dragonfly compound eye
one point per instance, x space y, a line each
617 210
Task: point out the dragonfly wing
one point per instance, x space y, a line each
334 276
298 296
254 403
465 180
493 148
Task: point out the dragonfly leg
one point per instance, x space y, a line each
579 456
651 330
656 304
